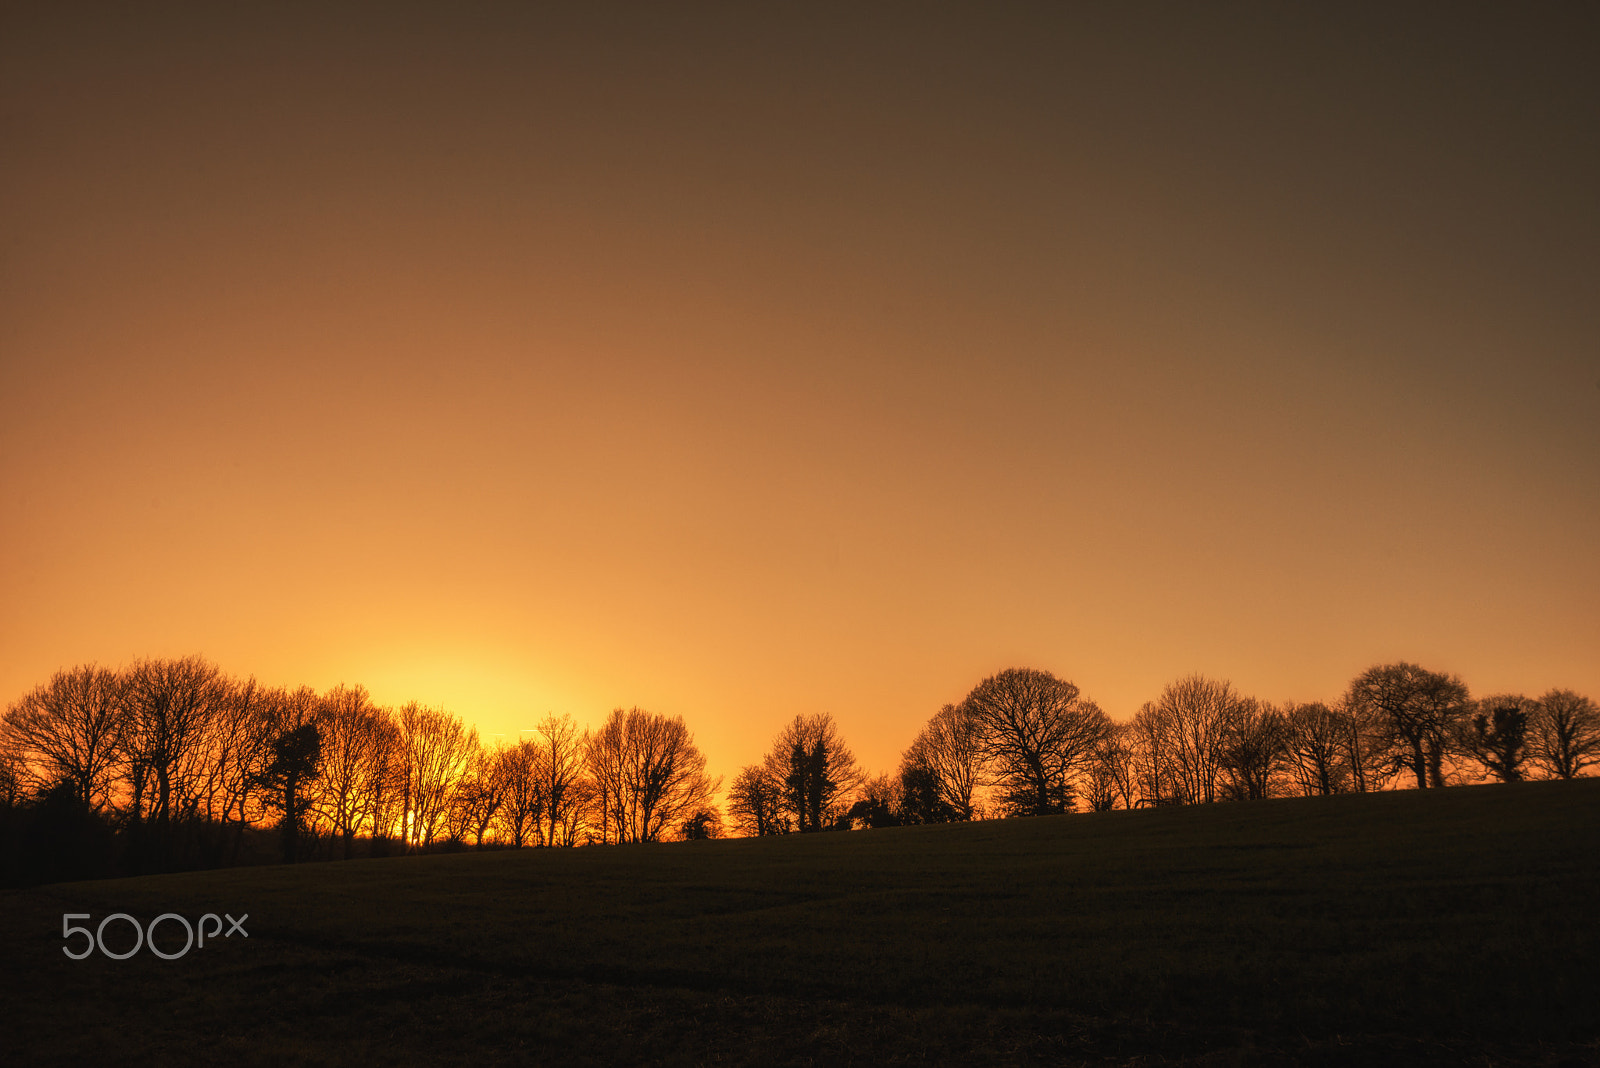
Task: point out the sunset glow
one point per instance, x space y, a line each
753 365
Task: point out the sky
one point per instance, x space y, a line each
738 364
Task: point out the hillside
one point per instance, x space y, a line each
1395 928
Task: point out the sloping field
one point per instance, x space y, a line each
1450 927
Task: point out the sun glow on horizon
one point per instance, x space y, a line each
587 373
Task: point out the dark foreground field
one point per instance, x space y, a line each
1449 927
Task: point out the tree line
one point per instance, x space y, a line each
172 763
1024 742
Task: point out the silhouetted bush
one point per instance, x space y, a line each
57 838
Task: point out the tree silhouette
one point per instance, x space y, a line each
809 788
1564 733
1109 776
168 705
879 805
702 826
478 796
437 749
1253 745
814 769
561 770
1037 731
351 727
175 761
1155 779
68 730
1418 710
922 796
755 803
1497 735
519 773
295 765
1190 727
64 839
11 775
1315 749
947 756
649 773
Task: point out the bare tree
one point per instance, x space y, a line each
1254 743
1198 719
519 772
604 762
1363 742
755 803
561 769
949 750
383 789
218 774
816 770
67 729
1119 754
649 772
1152 739
1112 775
350 725
479 795
1315 749
167 707
436 752
1418 710
580 816
1038 733
273 711
289 709
1564 734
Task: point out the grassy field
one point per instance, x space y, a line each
1450 927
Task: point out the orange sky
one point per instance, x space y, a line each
738 366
